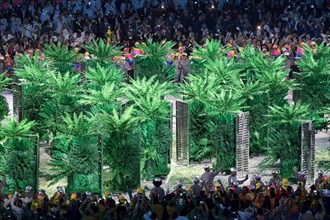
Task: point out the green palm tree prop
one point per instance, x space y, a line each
4 110
99 75
211 51
76 155
18 158
213 103
148 96
148 99
103 88
103 52
64 93
32 72
314 81
61 57
263 84
285 144
152 62
121 146
107 94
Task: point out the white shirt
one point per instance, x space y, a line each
31 9
137 4
98 4
77 6
27 30
56 17
15 24
65 34
110 7
18 212
45 15
3 24
7 37
59 27
89 11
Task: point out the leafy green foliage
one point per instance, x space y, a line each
107 94
83 183
103 52
35 62
263 84
148 97
76 154
288 113
315 81
213 102
155 146
61 57
33 73
121 145
4 110
18 156
3 81
284 136
152 62
63 92
211 51
115 122
15 129
100 75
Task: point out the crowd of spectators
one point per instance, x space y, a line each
28 25
203 199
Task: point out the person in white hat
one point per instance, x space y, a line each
300 176
275 180
319 182
179 190
232 177
196 188
28 193
182 65
208 177
157 191
257 178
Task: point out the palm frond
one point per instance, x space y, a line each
289 113
106 95
102 51
114 122
149 97
211 51
100 75
62 58
15 129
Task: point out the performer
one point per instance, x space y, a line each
182 65
208 176
157 191
232 178
275 180
196 188
257 178
319 182
300 176
179 189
